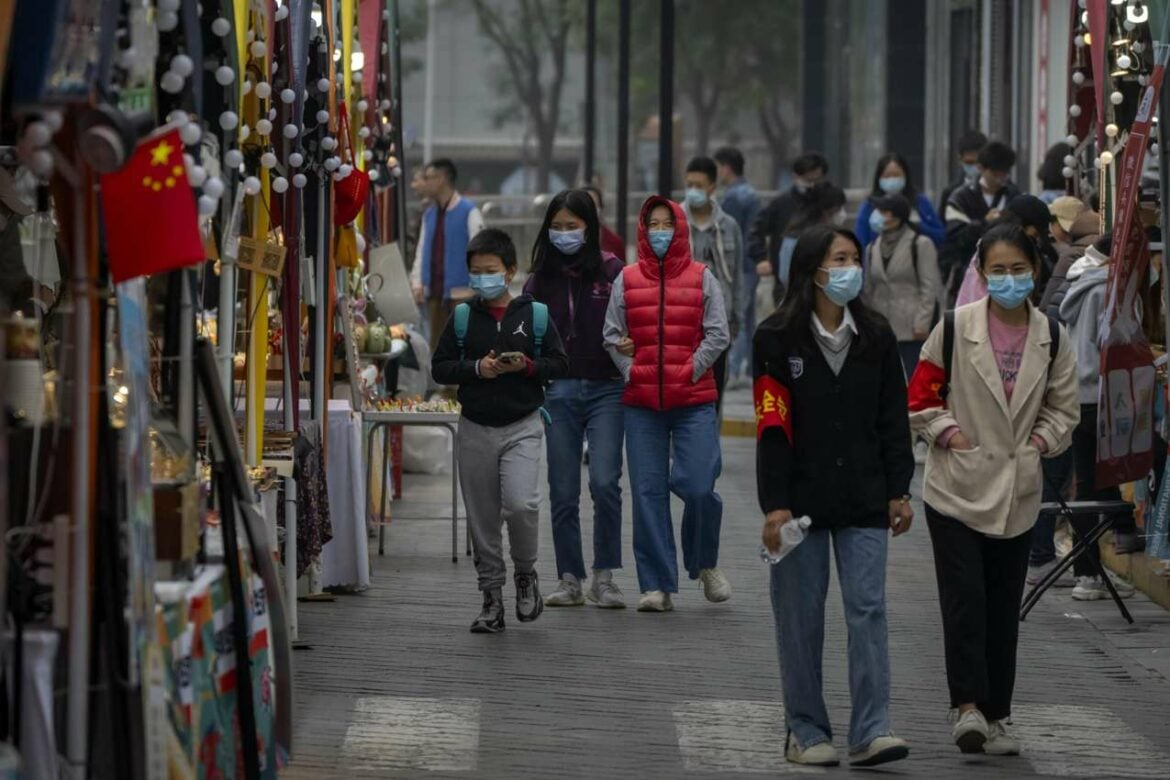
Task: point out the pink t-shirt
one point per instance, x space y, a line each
1007 342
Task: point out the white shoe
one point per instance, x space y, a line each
715 586
881 750
820 754
1001 742
655 601
1037 573
603 592
971 732
1092 588
567 594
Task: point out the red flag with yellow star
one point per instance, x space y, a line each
152 223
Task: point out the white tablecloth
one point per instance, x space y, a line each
345 561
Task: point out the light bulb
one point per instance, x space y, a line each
196 175
287 95
1116 98
280 184
213 187
182 65
171 83
263 90
228 120
263 126
233 159
224 75
268 160
291 131
1074 110
1111 130
191 133
296 160
221 27
299 180
251 185
207 205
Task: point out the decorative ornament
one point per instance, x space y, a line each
363 106
322 117
323 85
263 90
280 185
224 75
221 27
171 83
1067 172
213 187
345 170
296 160
373 174
291 131
251 185
37 133
1078 77
233 158
263 126
191 133
1116 98
167 21
196 175
268 160
258 49
228 120
1123 61
207 205
281 13
299 181
368 155
1072 141
328 143
40 162
182 65
1111 130
287 95
1106 157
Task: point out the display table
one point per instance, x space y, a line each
384 421
345 561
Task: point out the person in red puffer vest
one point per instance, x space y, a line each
665 327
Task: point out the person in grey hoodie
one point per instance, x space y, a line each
1081 311
716 242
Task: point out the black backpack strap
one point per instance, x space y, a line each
948 352
1054 339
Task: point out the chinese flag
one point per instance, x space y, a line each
152 224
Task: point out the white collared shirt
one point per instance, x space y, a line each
846 322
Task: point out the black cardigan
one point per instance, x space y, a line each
851 452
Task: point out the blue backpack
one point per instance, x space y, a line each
539 325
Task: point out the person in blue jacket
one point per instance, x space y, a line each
892 177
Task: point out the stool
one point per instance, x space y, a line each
1104 511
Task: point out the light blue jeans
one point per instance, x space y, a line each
799 585
580 409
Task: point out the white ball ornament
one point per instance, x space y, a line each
322 116
363 132
280 185
247 87
245 131
191 133
357 77
1106 157
263 126
287 95
196 175
1079 41
228 120
1116 98
1111 130
332 164
1155 150
182 65
207 205
291 131
368 155
385 104
322 85
167 21
38 133
224 75
363 106
1070 161
168 6
328 143
361 243
300 180
40 162
171 83
263 90
1074 110
213 187
54 120
281 13
1124 61
251 185
1078 78
1072 140
258 49
345 170
296 160
1067 172
221 27
233 158
268 160
373 174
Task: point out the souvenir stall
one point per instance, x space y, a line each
194 198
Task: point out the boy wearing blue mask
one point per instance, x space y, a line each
716 242
500 351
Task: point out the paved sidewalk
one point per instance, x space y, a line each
395 686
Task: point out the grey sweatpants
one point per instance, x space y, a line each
499 471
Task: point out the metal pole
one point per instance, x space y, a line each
77 702
623 120
590 85
429 81
666 101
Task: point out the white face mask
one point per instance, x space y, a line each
841 219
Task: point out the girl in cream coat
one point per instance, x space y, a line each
1010 402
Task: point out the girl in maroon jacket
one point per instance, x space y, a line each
665 327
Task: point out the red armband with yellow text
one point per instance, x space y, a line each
773 406
925 391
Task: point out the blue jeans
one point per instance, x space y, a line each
585 408
799 584
689 436
1058 472
740 359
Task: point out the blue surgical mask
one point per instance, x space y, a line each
1010 291
970 171
877 221
697 198
844 284
892 185
489 286
660 241
567 242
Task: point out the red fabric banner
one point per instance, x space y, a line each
152 223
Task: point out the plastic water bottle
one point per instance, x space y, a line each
792 533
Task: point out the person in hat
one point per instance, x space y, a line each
1075 227
901 279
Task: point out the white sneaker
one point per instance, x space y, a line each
970 732
921 450
567 594
881 750
1092 588
1001 742
603 592
655 601
715 586
820 754
1037 573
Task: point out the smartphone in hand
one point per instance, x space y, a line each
511 358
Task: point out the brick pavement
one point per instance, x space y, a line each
395 686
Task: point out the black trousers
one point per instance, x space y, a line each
1085 459
720 372
980 584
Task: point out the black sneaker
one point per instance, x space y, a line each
529 604
491 617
